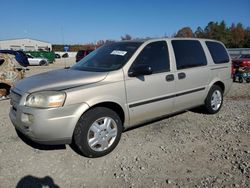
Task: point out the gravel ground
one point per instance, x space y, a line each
187 150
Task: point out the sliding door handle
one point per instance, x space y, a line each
181 75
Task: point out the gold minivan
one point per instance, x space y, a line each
117 86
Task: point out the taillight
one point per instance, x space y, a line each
232 70
246 63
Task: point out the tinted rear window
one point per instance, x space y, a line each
188 53
218 52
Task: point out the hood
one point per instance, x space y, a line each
59 80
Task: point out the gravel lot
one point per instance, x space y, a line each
188 150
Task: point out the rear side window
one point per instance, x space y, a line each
218 52
154 55
188 53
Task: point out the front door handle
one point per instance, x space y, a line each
169 77
181 75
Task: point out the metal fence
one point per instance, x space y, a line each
235 52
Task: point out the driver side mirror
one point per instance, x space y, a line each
140 70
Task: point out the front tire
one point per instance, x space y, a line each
214 100
97 132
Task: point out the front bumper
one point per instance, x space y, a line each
47 126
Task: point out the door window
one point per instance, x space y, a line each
154 55
188 53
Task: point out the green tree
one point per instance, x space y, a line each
237 36
185 32
247 38
199 33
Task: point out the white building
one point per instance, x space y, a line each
25 44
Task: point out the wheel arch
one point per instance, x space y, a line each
113 106
221 85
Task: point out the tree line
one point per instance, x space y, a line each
233 36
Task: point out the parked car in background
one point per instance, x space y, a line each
242 61
241 66
120 85
81 54
49 55
36 60
20 56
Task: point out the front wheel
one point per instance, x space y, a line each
214 100
98 132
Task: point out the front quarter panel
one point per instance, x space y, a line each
111 89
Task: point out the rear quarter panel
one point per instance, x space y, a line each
218 72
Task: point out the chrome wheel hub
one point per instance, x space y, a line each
102 134
216 100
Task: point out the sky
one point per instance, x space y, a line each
79 21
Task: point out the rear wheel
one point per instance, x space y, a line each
97 132
247 80
214 100
42 63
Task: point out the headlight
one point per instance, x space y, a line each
46 99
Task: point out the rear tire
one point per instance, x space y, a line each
214 100
247 80
41 63
97 132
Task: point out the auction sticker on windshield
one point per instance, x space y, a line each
118 52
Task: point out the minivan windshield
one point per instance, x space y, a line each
108 57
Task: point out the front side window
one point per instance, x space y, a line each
154 55
188 54
108 57
218 52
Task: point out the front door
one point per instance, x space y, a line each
151 96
